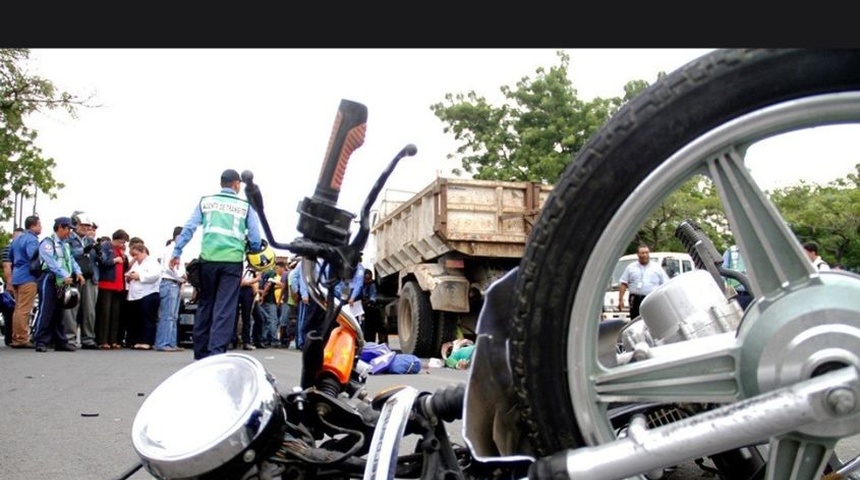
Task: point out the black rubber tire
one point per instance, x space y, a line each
446 330
698 97
416 327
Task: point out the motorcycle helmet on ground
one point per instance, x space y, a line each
69 296
262 259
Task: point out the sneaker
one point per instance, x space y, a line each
41 348
89 346
248 347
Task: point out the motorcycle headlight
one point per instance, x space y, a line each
217 415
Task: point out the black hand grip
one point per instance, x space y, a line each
252 191
350 125
700 248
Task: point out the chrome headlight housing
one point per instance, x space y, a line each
222 413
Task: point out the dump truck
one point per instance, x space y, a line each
437 252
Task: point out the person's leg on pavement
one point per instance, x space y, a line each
25 297
149 318
168 303
225 306
87 314
300 323
47 300
270 324
70 323
203 317
246 300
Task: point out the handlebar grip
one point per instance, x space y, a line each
348 131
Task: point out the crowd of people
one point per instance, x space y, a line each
73 289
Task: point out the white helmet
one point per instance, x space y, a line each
81 218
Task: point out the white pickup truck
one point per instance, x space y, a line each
674 263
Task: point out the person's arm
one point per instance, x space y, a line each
7 266
187 232
254 236
76 269
356 284
622 288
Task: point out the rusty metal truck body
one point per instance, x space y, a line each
437 253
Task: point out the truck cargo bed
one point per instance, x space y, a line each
478 218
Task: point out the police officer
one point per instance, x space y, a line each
228 221
59 268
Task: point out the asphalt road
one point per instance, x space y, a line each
69 415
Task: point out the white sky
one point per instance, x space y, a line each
171 120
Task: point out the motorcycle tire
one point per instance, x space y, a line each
614 166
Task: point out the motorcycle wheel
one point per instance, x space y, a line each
698 120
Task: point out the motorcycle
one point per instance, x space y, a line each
553 392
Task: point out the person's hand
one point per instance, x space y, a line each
174 262
81 279
351 301
68 280
305 300
117 259
621 303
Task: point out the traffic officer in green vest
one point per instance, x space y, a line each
229 222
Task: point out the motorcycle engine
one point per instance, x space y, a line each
689 306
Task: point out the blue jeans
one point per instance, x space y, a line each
168 315
270 323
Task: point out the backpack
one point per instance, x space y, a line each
36 262
192 272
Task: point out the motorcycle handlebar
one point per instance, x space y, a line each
348 131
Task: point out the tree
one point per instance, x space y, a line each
538 131
826 214
25 170
534 135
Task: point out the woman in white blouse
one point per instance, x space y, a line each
144 281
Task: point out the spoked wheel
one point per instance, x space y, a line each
699 120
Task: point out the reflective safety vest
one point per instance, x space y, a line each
225 223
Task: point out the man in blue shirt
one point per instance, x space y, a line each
24 285
227 222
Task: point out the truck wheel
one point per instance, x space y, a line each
415 325
446 331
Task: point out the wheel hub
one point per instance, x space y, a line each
801 333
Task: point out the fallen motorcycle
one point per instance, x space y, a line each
765 392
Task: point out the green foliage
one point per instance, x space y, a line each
534 134
827 214
696 200
24 169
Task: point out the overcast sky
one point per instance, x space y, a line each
170 121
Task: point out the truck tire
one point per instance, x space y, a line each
446 330
415 324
